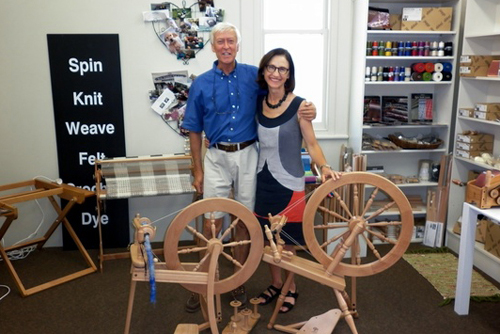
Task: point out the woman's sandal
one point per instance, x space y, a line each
289 305
272 293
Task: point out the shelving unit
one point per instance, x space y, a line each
403 162
481 37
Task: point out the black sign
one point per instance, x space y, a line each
88 114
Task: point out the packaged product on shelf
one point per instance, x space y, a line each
395 109
475 65
427 18
475 137
487 106
421 108
466 112
484 147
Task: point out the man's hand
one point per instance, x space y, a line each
307 111
198 182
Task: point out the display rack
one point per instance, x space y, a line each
403 162
481 37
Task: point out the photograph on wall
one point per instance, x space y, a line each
184 31
204 3
172 40
170 95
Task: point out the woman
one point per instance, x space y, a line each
280 178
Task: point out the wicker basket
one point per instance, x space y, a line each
414 146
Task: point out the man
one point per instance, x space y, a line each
222 103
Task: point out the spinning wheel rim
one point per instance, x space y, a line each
177 227
388 259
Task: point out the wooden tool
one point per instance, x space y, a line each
42 189
128 177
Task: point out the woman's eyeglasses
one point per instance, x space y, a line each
281 70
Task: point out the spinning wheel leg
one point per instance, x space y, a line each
281 299
130 305
345 311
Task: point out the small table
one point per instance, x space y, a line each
466 253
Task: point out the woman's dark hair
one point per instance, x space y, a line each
290 83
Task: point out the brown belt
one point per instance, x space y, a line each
234 147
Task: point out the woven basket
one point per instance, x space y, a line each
414 146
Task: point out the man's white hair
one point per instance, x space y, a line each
223 27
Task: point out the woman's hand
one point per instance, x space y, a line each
328 173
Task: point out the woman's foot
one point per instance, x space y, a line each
289 303
269 295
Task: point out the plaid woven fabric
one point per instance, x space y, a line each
147 177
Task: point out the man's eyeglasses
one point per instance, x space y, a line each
272 68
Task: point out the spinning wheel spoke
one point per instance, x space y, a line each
331 240
330 226
356 199
380 211
197 234
357 231
342 203
229 229
332 213
370 202
192 250
232 260
202 262
372 247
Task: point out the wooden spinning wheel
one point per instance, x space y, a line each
345 210
355 222
182 222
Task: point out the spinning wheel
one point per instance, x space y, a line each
226 281
355 223
347 213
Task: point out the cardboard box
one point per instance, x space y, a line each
480 229
468 154
427 19
487 106
492 239
395 21
487 116
485 147
477 60
466 112
476 138
473 71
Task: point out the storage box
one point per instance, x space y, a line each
492 239
480 229
487 116
468 154
476 138
487 106
427 19
477 60
395 21
466 112
485 147
473 71
475 66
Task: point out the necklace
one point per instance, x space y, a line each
274 106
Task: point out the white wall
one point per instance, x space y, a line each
27 133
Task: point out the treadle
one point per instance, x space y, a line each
322 324
186 329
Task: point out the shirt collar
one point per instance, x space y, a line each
218 71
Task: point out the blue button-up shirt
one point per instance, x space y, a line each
224 105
